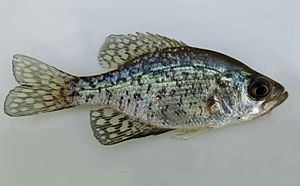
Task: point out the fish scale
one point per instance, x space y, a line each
143 73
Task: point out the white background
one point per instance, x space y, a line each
58 149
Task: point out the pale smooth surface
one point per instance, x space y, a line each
58 149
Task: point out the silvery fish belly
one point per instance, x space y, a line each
155 85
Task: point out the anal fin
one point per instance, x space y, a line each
111 127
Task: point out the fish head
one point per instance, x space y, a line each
260 96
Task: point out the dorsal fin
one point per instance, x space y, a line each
119 49
112 127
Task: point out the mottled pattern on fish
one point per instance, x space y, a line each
172 88
157 84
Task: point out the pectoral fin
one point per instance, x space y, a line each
112 127
186 134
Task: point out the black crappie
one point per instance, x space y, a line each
157 85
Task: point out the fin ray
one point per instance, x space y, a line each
43 88
120 49
111 127
186 134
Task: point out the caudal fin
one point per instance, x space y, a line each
43 88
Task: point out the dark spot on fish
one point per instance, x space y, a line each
180 100
180 112
130 124
108 95
75 93
99 80
186 92
149 88
178 84
137 96
168 75
177 112
190 104
220 83
89 97
122 119
172 92
185 73
121 100
118 127
139 80
136 109
162 91
92 84
115 114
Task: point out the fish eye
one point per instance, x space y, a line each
259 89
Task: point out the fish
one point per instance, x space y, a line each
153 85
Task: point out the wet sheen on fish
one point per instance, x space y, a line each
155 85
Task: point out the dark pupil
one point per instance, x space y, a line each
261 90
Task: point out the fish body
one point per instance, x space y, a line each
157 85
172 88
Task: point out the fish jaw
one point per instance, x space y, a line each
269 106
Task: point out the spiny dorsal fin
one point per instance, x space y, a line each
112 127
119 49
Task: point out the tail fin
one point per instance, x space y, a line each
43 88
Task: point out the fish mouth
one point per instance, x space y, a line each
270 105
281 98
